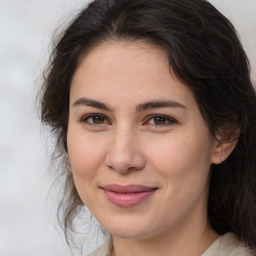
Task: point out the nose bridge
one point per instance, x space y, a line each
124 153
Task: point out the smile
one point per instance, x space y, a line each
127 196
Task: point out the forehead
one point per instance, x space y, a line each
128 69
124 56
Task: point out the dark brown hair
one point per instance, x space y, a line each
205 53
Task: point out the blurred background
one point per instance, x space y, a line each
28 223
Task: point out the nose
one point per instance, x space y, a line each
124 152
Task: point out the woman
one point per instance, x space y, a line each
152 106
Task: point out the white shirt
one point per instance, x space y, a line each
226 245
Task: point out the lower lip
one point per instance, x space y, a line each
127 199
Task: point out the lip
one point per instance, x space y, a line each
128 195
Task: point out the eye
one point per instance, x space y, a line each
94 119
160 120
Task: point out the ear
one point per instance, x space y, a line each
223 145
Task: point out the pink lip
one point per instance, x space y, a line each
129 195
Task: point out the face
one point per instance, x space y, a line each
139 148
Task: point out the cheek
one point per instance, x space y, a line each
85 158
183 162
176 153
85 155
183 165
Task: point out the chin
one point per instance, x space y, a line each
128 229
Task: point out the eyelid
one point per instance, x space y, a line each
84 119
170 120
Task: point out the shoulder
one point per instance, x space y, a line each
104 250
228 245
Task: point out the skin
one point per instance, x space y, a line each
126 146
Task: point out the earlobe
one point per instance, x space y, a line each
219 153
222 149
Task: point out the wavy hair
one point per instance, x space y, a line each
205 53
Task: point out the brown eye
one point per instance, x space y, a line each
98 119
94 119
159 120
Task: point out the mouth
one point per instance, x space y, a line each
129 195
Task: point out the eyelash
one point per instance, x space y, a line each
85 119
167 120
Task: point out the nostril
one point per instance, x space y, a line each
125 163
125 154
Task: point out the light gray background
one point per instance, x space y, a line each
27 219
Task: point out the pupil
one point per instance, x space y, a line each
98 119
159 120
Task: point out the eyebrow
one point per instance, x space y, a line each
91 103
159 104
140 108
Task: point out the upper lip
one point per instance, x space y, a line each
127 188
